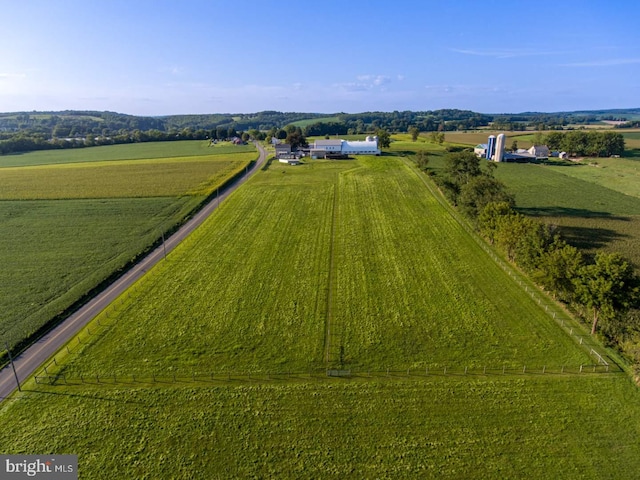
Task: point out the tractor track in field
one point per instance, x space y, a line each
28 361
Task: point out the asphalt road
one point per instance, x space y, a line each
30 359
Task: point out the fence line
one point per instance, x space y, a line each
49 378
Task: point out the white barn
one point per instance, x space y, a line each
322 148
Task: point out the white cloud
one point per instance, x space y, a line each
604 63
505 52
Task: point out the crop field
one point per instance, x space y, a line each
66 227
126 178
133 151
310 121
215 361
590 215
53 252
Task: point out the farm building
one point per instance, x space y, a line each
481 150
343 148
282 149
539 151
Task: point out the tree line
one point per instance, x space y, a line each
586 143
603 289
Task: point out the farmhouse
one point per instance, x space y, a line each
539 151
282 149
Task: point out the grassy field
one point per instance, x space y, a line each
131 151
310 121
66 227
345 264
576 198
289 237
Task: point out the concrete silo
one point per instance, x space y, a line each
499 153
491 146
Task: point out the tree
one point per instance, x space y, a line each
414 132
558 268
422 160
462 167
554 140
479 191
489 218
296 139
384 140
606 287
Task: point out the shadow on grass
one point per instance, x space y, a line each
76 395
589 238
569 212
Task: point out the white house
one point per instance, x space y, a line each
481 150
539 151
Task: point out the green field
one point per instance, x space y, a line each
310 121
435 427
68 225
213 365
198 175
591 214
129 151
293 236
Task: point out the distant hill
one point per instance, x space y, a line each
25 131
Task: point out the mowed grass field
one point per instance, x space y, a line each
364 248
72 221
438 427
300 250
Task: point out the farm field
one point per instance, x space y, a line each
553 426
343 264
591 216
132 151
66 227
294 235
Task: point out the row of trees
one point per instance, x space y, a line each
603 289
586 143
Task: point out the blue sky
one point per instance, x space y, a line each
173 57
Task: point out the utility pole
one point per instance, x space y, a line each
12 365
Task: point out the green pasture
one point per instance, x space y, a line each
310 121
131 151
360 248
590 215
619 174
535 427
125 178
344 264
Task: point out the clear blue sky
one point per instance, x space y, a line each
169 57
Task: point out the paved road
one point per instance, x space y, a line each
29 360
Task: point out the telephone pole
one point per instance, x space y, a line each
12 365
